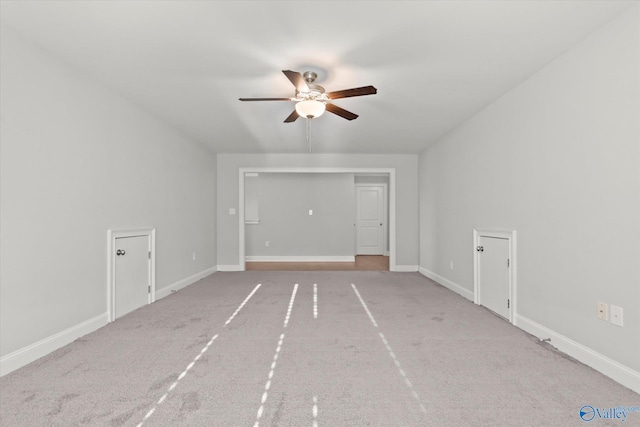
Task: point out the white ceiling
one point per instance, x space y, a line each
434 63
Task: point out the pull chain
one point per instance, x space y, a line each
308 141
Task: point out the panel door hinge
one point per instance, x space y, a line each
149 254
508 262
149 289
508 303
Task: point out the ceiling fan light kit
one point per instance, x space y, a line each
310 108
311 99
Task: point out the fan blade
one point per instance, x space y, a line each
264 99
292 117
332 108
359 91
297 80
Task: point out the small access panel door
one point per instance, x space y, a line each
493 266
132 274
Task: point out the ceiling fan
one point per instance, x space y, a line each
311 99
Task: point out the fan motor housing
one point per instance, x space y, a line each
310 76
315 88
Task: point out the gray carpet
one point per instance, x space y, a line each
394 349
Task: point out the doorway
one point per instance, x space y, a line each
131 272
389 172
494 265
371 219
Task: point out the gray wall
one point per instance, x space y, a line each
558 160
76 161
284 201
406 166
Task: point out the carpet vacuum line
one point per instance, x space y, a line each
265 394
315 300
195 359
391 353
314 411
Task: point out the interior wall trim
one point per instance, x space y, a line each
458 289
180 284
406 268
32 352
230 267
609 367
28 354
320 258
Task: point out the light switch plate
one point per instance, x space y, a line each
310 211
232 211
616 315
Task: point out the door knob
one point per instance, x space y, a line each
480 249
380 224
120 252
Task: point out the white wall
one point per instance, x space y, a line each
284 201
406 194
558 160
77 160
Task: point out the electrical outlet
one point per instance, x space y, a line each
602 310
266 243
194 256
616 315
310 211
451 265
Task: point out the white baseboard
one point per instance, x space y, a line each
167 290
230 267
447 283
609 367
618 372
28 354
406 268
259 258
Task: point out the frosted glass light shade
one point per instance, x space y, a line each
310 109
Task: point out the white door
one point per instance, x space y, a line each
493 266
132 273
369 220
